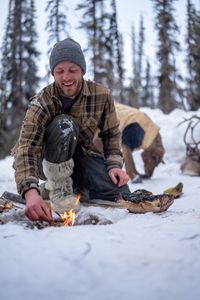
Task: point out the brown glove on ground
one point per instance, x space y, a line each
176 191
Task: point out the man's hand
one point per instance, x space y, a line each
118 176
36 208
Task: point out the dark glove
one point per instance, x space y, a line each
136 196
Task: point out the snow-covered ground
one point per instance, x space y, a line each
149 256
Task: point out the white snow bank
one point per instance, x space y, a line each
151 256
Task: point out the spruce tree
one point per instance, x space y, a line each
88 23
168 46
136 88
95 22
148 93
117 44
193 56
133 48
30 41
104 61
57 25
18 79
132 90
99 20
140 55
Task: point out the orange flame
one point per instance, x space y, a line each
77 199
68 217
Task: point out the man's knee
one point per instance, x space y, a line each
60 139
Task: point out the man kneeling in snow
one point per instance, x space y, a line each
56 143
138 132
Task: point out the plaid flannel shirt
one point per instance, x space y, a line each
94 109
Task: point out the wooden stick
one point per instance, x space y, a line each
13 197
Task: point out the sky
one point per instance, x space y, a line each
129 13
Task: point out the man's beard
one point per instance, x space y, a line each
71 91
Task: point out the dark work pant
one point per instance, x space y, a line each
90 172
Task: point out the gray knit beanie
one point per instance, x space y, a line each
67 50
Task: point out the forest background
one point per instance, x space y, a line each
148 54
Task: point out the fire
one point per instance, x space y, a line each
68 217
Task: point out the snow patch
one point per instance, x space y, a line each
134 256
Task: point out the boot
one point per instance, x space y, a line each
59 183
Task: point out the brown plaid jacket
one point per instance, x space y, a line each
93 109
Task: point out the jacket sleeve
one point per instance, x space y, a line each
111 136
28 152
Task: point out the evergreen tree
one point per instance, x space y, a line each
167 48
30 40
104 59
89 22
95 22
57 26
4 87
148 94
18 79
120 63
104 43
193 56
134 57
138 56
117 43
132 90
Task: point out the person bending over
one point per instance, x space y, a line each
138 131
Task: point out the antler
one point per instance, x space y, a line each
192 130
191 126
192 148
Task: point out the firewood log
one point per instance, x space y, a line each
13 197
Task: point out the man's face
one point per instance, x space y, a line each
68 77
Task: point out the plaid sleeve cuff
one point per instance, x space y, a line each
29 183
114 161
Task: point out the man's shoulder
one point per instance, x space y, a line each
92 87
43 96
48 91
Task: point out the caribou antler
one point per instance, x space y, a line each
192 123
192 148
